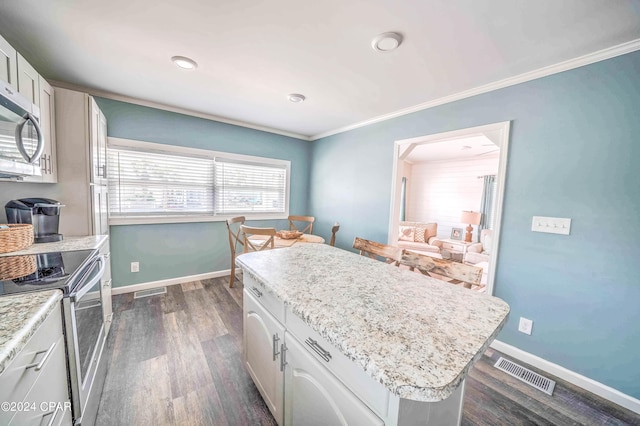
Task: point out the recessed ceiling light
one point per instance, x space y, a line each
386 42
296 98
184 62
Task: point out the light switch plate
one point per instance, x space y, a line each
551 225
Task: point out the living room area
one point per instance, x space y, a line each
448 200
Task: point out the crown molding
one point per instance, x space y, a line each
164 107
580 61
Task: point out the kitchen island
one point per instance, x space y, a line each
399 342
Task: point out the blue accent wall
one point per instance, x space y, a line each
176 250
574 152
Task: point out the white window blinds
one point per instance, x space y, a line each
156 181
246 187
146 183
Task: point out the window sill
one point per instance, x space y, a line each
153 220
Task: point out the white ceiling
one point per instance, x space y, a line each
251 54
449 149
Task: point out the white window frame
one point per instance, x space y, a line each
119 143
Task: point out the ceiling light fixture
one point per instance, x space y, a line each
184 62
296 98
386 42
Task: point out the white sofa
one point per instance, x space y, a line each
419 237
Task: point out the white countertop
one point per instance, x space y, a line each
416 335
67 244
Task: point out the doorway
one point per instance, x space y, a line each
491 139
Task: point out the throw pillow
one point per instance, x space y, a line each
418 236
406 233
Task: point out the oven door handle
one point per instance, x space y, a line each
86 287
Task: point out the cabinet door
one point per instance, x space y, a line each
314 397
262 339
98 143
8 63
48 159
28 81
99 209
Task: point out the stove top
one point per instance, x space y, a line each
42 271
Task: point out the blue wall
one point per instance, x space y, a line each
574 152
177 250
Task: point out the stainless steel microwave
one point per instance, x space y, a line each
21 140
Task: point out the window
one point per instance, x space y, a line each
152 183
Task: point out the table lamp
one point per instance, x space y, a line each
472 218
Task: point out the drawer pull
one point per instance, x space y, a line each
324 354
256 291
38 365
283 357
276 339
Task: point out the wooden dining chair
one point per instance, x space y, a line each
334 230
265 242
306 229
373 249
456 273
235 239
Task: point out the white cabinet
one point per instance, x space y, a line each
48 159
81 137
105 287
37 378
314 397
28 81
98 143
296 387
262 339
8 63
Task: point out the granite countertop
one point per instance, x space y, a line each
416 335
20 316
67 244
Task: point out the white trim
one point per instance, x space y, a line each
580 61
170 281
499 133
165 107
572 377
154 220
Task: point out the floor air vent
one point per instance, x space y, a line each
150 292
529 377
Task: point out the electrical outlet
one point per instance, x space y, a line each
135 266
525 325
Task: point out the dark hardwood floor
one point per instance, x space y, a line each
176 359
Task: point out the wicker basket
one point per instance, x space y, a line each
12 267
16 237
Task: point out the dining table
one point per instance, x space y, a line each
279 242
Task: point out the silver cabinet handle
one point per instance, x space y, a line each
283 357
38 365
324 354
256 291
50 165
276 339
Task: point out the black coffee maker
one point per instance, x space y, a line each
42 213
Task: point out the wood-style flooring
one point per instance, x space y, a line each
176 359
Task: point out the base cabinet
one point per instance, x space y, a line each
263 336
314 397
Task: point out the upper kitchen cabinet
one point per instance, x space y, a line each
8 63
98 143
48 159
28 81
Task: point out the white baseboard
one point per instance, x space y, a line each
572 377
170 281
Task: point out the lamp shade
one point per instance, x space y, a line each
472 218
